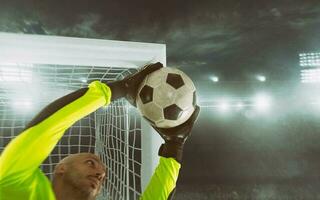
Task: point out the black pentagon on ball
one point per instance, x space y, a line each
146 94
175 80
172 112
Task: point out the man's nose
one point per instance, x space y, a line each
100 173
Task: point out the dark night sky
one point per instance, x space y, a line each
229 38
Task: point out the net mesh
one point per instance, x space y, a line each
113 132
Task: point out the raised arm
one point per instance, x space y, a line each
24 154
163 182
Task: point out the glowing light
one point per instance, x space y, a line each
261 78
262 102
224 106
84 80
22 105
14 75
10 72
239 105
214 78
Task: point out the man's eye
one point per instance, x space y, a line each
90 162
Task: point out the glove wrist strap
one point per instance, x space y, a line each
118 89
171 150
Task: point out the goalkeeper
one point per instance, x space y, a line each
81 176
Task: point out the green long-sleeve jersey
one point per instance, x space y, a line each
20 176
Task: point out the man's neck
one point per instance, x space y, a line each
67 192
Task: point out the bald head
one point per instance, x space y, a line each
83 172
78 156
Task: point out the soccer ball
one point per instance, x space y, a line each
166 97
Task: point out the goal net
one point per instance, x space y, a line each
35 70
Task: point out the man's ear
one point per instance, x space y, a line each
60 168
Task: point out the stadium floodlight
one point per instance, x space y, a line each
262 102
309 59
261 78
214 78
310 76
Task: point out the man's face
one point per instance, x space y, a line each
86 172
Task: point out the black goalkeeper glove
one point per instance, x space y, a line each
128 87
176 137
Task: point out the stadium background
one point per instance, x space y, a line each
236 151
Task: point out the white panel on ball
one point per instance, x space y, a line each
155 81
164 95
183 99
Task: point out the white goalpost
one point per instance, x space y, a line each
37 69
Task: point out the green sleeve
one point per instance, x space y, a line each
20 160
163 180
